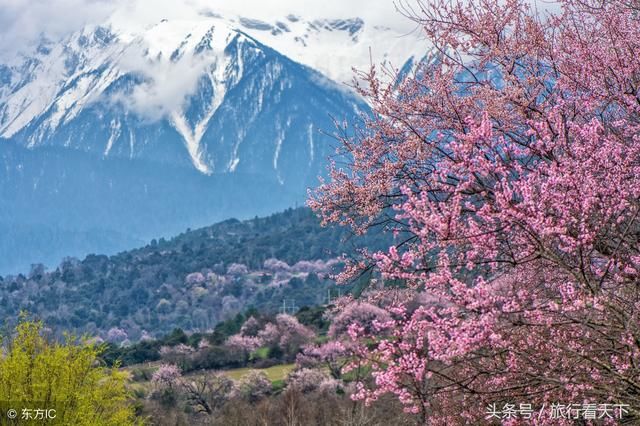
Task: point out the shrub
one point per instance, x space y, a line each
33 368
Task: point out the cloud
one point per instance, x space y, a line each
161 93
24 22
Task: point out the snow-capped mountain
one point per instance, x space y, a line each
205 95
219 100
206 91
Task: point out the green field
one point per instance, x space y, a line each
275 373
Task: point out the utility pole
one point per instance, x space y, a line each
290 309
329 295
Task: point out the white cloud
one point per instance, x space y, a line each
23 22
163 92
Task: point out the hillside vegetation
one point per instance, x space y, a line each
192 281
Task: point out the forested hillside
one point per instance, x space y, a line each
191 281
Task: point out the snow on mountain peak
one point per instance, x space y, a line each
336 46
166 61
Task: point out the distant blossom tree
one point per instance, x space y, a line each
178 354
145 336
291 335
364 314
116 335
315 266
286 333
308 266
237 269
212 277
333 355
508 169
269 334
307 380
276 265
195 278
253 386
251 327
246 344
166 376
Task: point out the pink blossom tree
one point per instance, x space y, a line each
269 335
307 380
253 386
179 354
116 335
195 278
508 168
316 266
166 376
251 327
366 315
291 334
243 344
276 265
237 269
286 333
332 355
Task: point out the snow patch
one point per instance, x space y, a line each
233 164
192 138
115 134
310 140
